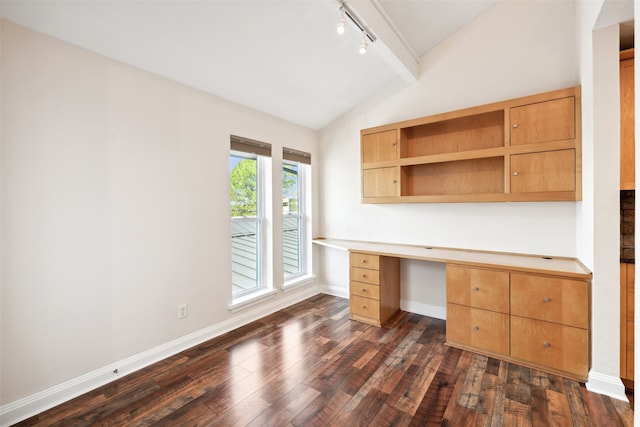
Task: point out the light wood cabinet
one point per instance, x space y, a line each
374 286
543 121
547 171
627 313
380 182
483 329
627 121
380 146
525 149
535 320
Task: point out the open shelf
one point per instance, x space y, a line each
476 176
476 132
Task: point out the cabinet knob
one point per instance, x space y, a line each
515 125
475 289
515 174
546 344
546 299
364 289
364 307
476 328
364 261
394 144
395 181
364 275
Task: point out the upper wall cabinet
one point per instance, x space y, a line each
525 149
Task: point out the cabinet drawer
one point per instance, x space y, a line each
364 275
487 289
543 172
364 307
552 299
359 259
379 146
547 121
486 330
560 347
365 290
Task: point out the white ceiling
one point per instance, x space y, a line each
282 57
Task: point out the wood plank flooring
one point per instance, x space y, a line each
309 365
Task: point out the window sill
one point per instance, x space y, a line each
297 282
251 299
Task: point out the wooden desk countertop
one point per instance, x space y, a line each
563 266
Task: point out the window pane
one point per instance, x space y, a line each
245 225
244 186
292 220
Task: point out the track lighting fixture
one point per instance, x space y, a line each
363 44
342 23
367 36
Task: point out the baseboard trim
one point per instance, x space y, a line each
29 406
606 384
335 291
429 310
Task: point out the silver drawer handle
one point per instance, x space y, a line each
515 125
475 289
476 328
546 344
546 299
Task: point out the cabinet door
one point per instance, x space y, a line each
380 182
381 146
480 288
543 121
560 347
552 299
543 172
365 307
482 329
627 126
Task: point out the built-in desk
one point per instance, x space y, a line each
529 309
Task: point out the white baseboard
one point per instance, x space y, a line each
606 384
29 406
335 291
429 310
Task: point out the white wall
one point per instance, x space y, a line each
115 209
514 49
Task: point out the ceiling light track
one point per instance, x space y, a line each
367 35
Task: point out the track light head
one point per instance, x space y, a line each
363 44
342 23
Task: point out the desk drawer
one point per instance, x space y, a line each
364 275
365 290
483 329
479 288
365 307
548 344
359 259
553 299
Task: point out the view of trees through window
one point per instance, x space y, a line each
245 224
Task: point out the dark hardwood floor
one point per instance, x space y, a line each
309 365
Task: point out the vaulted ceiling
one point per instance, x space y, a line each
282 57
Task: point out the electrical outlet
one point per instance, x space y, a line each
182 311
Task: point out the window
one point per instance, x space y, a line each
294 165
248 162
